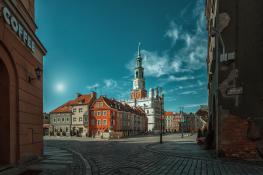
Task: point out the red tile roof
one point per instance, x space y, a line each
168 113
86 99
121 106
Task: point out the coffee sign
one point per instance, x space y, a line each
18 29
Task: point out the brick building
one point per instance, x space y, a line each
235 77
112 118
21 59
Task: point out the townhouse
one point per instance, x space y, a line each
172 121
72 118
111 118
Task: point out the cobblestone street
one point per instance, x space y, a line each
143 155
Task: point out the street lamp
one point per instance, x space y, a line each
214 32
161 117
182 121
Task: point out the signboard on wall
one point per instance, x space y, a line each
17 27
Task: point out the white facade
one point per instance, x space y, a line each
153 102
79 118
152 106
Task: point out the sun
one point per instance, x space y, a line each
60 87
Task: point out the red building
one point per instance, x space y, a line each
111 118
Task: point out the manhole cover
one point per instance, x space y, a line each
125 171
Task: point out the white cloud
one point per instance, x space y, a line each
170 99
182 78
94 86
195 86
109 83
188 57
193 105
173 32
188 93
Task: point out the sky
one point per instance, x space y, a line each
92 46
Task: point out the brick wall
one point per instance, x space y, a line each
234 141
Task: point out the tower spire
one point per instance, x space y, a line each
139 49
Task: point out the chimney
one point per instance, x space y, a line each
78 94
93 94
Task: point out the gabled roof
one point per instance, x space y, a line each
168 113
86 99
65 108
112 103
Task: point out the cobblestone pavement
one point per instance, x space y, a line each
142 155
56 161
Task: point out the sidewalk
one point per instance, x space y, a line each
185 154
181 147
55 162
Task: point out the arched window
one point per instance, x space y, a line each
137 74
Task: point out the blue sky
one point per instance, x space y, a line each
92 46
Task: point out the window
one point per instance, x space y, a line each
104 113
58 119
67 119
80 119
98 122
86 119
98 113
99 104
147 111
54 120
74 119
74 109
104 122
80 109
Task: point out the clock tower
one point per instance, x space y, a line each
138 91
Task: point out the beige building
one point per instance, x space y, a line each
72 118
80 113
172 121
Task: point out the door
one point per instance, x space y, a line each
4 115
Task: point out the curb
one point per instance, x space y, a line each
87 165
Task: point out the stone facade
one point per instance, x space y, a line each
235 76
21 60
60 123
72 118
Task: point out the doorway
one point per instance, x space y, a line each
4 115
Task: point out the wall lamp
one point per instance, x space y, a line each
38 72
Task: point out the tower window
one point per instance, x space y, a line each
137 74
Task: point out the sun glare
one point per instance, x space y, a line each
60 87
